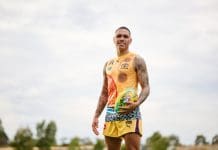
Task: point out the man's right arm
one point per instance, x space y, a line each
103 97
101 102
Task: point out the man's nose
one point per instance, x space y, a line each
122 38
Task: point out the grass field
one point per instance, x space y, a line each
209 147
53 148
214 147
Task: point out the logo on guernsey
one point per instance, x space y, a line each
110 64
124 66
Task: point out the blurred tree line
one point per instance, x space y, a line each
3 136
46 137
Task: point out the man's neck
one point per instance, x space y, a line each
122 52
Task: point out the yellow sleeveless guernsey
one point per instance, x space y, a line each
121 75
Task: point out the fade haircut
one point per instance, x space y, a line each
123 27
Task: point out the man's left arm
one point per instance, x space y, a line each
142 76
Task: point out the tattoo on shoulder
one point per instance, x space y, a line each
140 63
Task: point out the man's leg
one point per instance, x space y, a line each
132 141
113 143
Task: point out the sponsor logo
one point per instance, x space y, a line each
124 66
128 123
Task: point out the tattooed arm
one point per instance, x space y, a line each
101 103
142 76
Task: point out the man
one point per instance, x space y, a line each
125 71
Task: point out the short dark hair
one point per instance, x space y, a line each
123 27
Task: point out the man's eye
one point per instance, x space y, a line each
125 36
118 36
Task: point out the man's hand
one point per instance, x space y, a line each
130 106
95 126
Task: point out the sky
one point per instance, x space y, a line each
52 55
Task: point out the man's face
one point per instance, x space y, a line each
122 39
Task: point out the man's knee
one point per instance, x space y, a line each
132 141
113 143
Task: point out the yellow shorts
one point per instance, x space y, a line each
119 128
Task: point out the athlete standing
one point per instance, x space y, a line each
125 71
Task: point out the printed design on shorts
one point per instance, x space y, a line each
104 126
122 77
112 91
114 116
110 111
128 123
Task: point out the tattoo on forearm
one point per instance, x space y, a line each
142 76
101 104
103 97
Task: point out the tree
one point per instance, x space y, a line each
74 144
46 135
86 141
50 133
23 139
175 139
200 140
173 142
99 144
42 143
215 139
156 142
3 136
